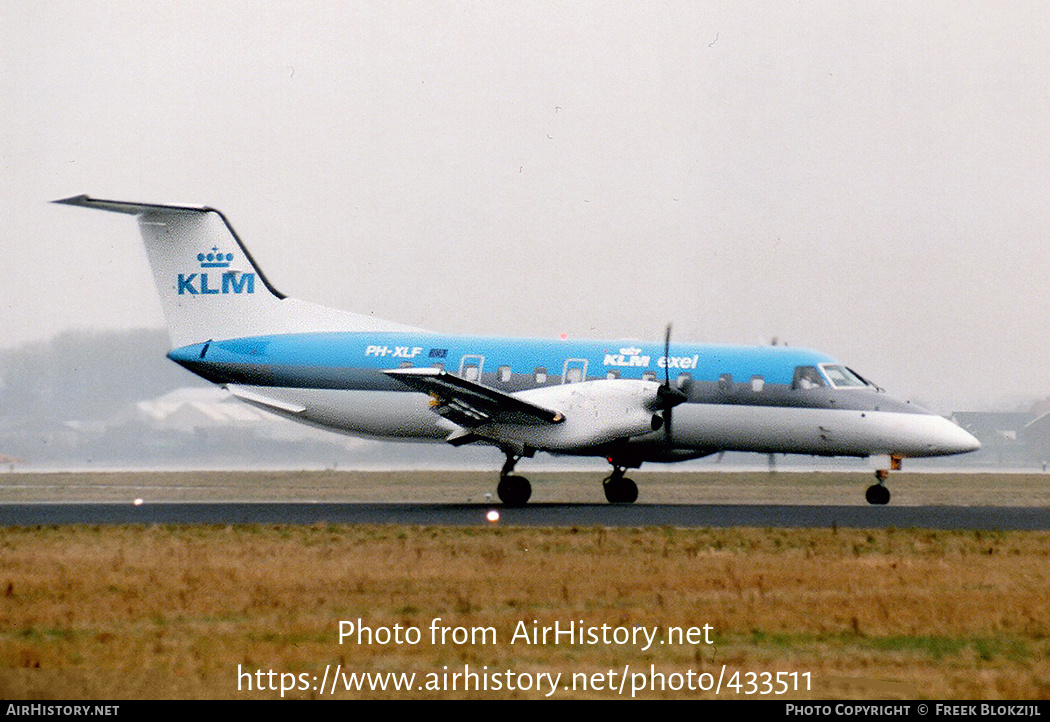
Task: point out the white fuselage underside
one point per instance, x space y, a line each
405 416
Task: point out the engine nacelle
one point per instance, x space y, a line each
595 413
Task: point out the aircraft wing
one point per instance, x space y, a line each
470 404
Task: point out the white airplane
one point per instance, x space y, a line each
629 402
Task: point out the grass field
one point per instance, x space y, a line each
981 489
169 611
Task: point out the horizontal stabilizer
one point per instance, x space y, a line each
132 209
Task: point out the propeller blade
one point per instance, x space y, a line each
667 397
667 353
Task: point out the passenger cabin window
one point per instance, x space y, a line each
683 380
503 374
649 376
807 377
541 375
843 378
439 366
612 374
757 384
405 365
725 382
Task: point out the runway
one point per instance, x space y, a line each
553 515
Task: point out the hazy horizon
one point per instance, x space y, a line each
870 181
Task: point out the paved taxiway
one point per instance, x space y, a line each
677 515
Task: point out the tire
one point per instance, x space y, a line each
514 490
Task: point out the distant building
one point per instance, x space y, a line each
9 462
1036 437
193 408
1010 439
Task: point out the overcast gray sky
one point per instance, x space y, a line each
867 179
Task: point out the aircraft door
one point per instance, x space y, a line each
575 371
470 367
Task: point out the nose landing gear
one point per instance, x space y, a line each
877 493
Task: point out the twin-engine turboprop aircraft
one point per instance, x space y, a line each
629 402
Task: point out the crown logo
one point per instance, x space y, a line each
630 351
215 259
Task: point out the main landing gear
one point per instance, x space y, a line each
618 488
513 490
877 493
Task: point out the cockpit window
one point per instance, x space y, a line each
843 378
807 377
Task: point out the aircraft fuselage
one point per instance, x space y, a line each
736 398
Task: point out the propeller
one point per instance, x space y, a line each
666 397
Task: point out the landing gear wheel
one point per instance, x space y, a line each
514 490
877 494
620 490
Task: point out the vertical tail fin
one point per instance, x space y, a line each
209 285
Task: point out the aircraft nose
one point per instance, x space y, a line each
953 439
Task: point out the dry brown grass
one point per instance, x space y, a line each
119 612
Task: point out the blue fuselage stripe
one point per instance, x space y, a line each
631 359
354 361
